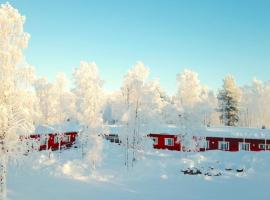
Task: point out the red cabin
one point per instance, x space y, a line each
53 141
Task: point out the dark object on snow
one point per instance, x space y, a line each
113 138
228 169
218 174
263 127
191 171
240 170
210 174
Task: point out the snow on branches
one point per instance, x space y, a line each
16 112
229 100
89 102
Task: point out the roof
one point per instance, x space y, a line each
222 131
235 132
66 127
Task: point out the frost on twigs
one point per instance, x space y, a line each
89 102
16 113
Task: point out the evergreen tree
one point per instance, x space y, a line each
228 101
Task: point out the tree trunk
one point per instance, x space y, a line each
3 177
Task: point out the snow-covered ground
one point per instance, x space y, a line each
155 175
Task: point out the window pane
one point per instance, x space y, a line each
55 139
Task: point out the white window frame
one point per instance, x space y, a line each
206 144
66 138
221 145
243 144
264 146
167 143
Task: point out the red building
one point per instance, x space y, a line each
173 142
51 141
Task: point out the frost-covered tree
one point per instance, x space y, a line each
16 113
141 107
228 102
89 101
189 91
205 110
114 108
195 105
255 101
56 102
194 100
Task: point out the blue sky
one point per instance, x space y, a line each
213 38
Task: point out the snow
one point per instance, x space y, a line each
65 127
237 132
155 175
139 107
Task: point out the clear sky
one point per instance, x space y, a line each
214 38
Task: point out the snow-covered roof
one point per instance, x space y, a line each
66 127
235 132
215 131
220 131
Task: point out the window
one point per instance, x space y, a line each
264 146
43 140
56 139
155 139
244 146
169 141
206 144
66 138
223 145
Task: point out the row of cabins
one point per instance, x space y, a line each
225 142
232 144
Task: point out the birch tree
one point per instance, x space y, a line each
189 91
15 112
142 105
56 102
89 101
254 105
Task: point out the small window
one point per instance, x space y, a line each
206 144
169 142
66 138
264 146
56 139
155 139
223 145
244 146
43 140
